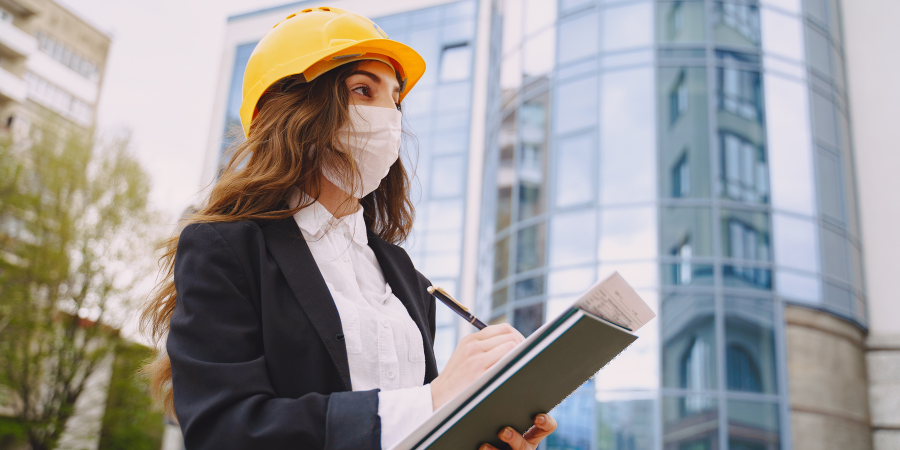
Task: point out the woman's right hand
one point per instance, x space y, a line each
474 354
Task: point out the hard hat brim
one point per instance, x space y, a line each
411 68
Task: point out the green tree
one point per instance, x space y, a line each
130 421
74 231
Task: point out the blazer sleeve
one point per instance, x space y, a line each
223 396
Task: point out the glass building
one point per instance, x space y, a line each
698 147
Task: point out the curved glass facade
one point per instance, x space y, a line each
701 149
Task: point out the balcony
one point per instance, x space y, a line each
15 42
11 87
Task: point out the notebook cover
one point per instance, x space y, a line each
540 384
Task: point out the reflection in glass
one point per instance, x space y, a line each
529 288
628 137
456 63
501 259
792 6
744 172
834 254
528 319
499 297
578 37
539 14
790 146
687 273
532 161
745 236
690 423
576 105
577 412
750 345
782 34
753 425
689 342
530 248
538 53
736 24
794 286
629 26
683 226
625 424
680 21
572 238
627 233
571 281
684 133
574 170
796 243
446 179
504 178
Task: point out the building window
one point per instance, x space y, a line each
58 100
742 370
676 20
678 98
695 363
745 175
681 177
741 18
456 62
67 57
682 271
739 93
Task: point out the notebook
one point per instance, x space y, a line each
539 373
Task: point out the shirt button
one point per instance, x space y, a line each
384 323
390 375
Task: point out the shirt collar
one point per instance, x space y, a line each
316 220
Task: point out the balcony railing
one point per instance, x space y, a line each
15 41
11 87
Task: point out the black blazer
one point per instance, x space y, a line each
258 357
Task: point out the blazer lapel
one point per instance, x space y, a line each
400 274
286 244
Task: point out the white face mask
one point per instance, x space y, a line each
373 139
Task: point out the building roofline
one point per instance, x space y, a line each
267 10
64 4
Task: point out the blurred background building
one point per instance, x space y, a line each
51 61
703 149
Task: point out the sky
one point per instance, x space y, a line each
160 82
159 88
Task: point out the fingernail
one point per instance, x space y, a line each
540 419
507 433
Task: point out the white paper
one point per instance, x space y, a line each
614 300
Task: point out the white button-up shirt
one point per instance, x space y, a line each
385 349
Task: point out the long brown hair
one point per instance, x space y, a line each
293 139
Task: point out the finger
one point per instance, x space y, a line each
494 330
488 344
514 439
492 356
543 426
487 447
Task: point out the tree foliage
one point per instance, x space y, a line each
130 422
74 229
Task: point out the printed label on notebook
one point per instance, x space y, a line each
614 300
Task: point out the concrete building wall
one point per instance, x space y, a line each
873 64
827 381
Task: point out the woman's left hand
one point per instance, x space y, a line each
543 426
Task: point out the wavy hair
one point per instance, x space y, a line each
293 139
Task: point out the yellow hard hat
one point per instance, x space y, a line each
315 40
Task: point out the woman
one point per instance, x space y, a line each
291 317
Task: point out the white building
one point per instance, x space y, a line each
51 60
